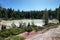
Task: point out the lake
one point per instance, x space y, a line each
38 22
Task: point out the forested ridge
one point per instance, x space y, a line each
12 14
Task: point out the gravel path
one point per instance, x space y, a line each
52 34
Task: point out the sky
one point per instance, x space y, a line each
28 5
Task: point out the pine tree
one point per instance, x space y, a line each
58 14
45 17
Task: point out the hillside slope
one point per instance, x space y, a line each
52 34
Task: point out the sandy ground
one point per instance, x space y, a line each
52 34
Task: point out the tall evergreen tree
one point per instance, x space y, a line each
0 12
58 14
45 17
12 14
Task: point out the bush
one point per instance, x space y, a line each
28 29
37 28
15 31
12 31
15 38
4 33
1 38
49 25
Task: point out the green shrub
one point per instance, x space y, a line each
37 28
49 25
28 29
15 38
4 33
15 31
1 38
12 31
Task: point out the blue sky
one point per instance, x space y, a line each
28 5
